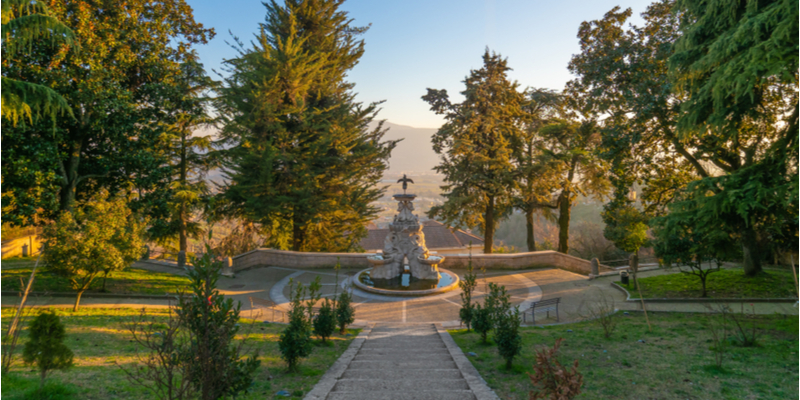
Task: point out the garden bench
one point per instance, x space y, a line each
543 306
269 304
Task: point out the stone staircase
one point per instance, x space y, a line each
403 362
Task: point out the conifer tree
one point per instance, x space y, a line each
345 312
476 145
302 161
46 347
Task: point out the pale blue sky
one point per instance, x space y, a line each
415 44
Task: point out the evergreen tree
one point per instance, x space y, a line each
482 321
45 346
302 161
345 313
295 341
325 323
467 284
506 335
476 145
216 365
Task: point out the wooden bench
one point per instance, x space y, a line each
269 304
543 306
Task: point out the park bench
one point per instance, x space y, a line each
269 304
543 306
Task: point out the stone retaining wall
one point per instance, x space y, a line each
300 260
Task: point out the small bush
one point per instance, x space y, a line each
467 285
506 335
746 334
482 321
602 312
46 347
551 380
295 341
345 313
325 323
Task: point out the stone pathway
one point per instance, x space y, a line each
404 362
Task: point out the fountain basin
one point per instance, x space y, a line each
406 286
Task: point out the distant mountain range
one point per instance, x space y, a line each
414 154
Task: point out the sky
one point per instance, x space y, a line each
415 44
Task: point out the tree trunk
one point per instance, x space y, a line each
42 377
105 276
703 284
529 229
563 222
77 300
488 226
750 257
69 178
298 235
182 242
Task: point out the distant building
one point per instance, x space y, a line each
438 238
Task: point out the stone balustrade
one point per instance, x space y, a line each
301 260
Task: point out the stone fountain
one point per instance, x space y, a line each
405 242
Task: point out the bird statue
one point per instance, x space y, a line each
405 181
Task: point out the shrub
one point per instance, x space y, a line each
718 327
325 323
498 301
45 346
506 335
345 313
482 321
467 285
552 380
602 312
746 335
295 341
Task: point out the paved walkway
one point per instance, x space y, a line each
402 362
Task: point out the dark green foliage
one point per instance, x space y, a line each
45 346
325 322
215 363
476 145
482 321
295 341
345 313
498 301
506 336
467 284
301 159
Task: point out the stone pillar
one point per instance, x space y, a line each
595 267
146 255
24 250
227 267
181 259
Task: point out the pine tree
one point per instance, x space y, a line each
506 335
295 341
45 346
302 161
477 144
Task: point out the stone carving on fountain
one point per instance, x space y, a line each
405 240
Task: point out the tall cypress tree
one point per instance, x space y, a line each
302 160
477 144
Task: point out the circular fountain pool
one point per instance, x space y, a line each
405 285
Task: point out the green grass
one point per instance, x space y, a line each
674 362
99 338
726 283
131 280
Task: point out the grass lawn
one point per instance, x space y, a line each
99 339
726 283
131 280
674 362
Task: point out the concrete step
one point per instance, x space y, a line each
401 366
401 375
411 385
403 342
402 357
395 395
399 350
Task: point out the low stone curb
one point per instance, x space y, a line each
334 373
96 295
474 379
703 300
